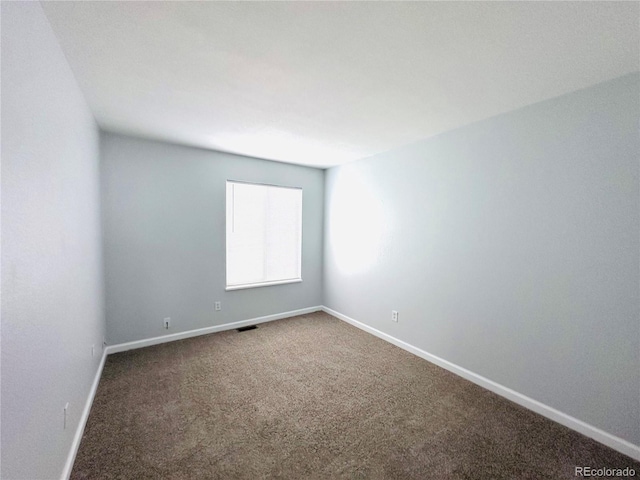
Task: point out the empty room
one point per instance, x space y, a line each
320 240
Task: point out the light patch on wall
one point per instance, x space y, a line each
357 224
272 144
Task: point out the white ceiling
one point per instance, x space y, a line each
325 83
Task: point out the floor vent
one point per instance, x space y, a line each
244 329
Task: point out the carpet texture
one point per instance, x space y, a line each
312 397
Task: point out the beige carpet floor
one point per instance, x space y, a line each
312 397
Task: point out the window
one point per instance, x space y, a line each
264 235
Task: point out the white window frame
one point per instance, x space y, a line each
265 283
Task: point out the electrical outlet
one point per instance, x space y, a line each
167 322
394 315
218 306
66 409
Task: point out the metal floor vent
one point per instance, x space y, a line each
244 329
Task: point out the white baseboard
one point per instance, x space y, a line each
619 444
77 438
122 347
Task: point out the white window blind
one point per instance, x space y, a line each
264 235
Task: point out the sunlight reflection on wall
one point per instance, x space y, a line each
357 223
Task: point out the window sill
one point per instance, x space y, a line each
262 284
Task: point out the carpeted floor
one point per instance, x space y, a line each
312 397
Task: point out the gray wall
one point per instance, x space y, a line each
164 238
510 247
52 305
